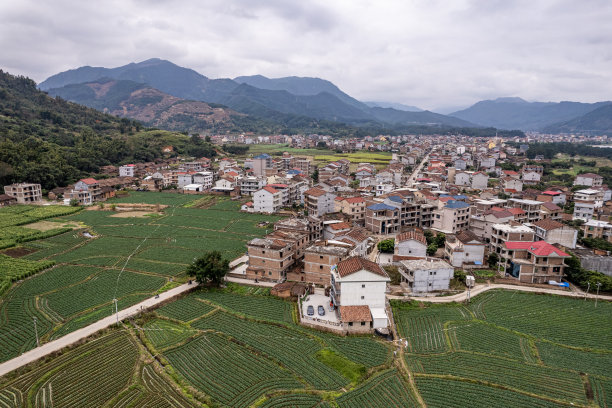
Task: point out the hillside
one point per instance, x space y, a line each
596 122
304 97
148 105
397 106
54 142
516 113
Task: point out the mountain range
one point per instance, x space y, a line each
254 95
281 101
516 113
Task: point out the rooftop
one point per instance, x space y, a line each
548 224
356 264
414 235
539 248
425 264
512 228
355 314
456 204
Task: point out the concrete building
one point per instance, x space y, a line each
269 259
426 275
555 232
86 191
127 170
534 262
597 229
319 259
481 224
357 281
268 200
588 179
452 218
382 218
480 180
502 233
532 208
318 202
205 178
24 193
249 185
354 207
410 244
261 163
464 248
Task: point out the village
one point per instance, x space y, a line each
354 234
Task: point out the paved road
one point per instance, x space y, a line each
460 297
71 338
416 171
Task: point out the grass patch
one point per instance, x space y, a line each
353 371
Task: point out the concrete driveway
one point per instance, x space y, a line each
315 300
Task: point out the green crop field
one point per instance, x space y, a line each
514 348
128 258
241 347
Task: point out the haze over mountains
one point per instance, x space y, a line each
273 99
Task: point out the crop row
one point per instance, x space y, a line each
384 390
48 247
539 316
361 350
542 380
185 309
13 269
163 333
443 393
19 215
228 372
582 361
259 307
602 390
291 348
295 401
480 337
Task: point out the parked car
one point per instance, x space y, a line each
321 310
310 310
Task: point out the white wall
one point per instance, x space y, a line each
439 281
411 248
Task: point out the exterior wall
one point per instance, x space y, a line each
268 264
480 181
465 254
126 171
588 181
430 280
267 202
462 179
583 211
25 193
363 293
317 267
410 247
565 236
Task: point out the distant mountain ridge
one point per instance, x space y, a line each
595 122
313 97
397 106
516 113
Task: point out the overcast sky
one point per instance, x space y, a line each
428 53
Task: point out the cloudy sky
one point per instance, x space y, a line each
435 54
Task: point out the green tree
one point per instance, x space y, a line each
386 245
315 175
493 259
428 236
440 239
431 249
74 202
209 269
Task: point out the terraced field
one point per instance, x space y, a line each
511 349
108 257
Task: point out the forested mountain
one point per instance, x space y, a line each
595 122
516 113
54 142
302 97
398 106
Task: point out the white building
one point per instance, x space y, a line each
194 188
588 179
555 232
357 281
249 185
127 170
411 244
426 275
184 178
531 177
205 178
462 178
267 200
464 248
480 180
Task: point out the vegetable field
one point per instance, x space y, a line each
128 258
511 349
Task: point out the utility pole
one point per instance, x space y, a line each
597 296
468 296
116 311
36 332
587 291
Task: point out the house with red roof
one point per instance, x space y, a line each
535 262
268 200
86 191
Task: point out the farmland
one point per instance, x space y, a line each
107 257
241 347
509 348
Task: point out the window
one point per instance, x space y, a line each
363 323
263 252
270 273
362 297
363 285
320 256
320 266
281 254
350 323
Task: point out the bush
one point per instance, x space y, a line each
387 246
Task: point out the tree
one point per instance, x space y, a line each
428 236
387 246
209 269
315 175
493 259
431 249
440 239
207 139
74 202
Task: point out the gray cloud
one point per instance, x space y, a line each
431 54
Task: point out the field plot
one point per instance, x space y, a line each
295 401
112 257
97 373
385 390
516 348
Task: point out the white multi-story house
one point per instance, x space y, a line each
480 180
358 288
268 200
588 179
185 178
127 170
319 202
464 248
531 177
555 232
462 178
452 218
205 178
426 275
411 243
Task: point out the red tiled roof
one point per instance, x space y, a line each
270 189
89 181
353 200
510 172
548 224
249 204
355 314
340 226
317 192
414 235
553 193
551 207
356 263
516 211
539 248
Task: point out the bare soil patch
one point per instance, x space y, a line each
129 214
18 252
48 225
